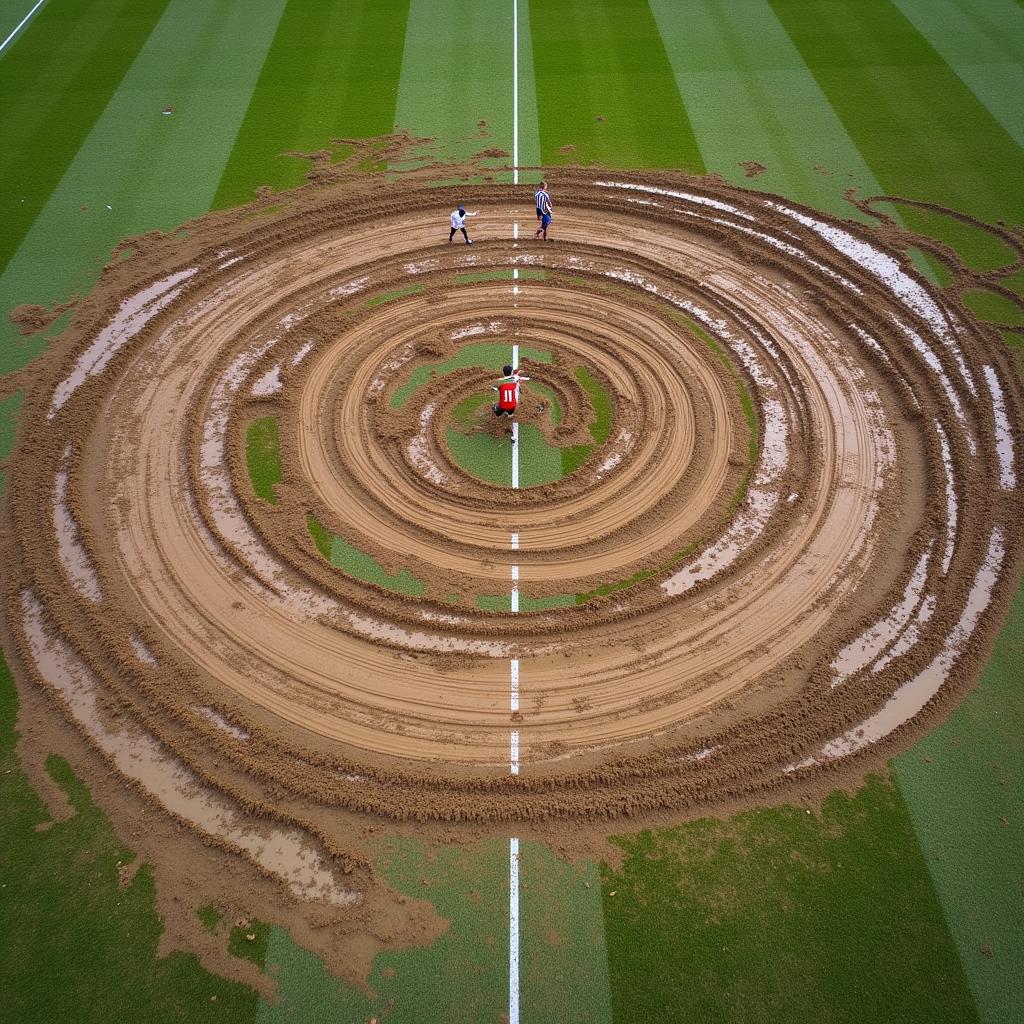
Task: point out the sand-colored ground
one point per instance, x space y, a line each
810 600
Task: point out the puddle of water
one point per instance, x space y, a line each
757 509
142 651
910 698
302 353
873 641
910 637
419 452
688 197
221 722
951 503
268 384
891 273
422 266
1004 436
72 552
933 362
349 288
140 757
386 631
135 312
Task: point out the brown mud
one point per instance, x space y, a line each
805 598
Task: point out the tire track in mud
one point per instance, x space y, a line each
794 615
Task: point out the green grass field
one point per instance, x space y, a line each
903 902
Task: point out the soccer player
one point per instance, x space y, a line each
544 210
459 223
508 392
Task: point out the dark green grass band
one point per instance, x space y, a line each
56 80
605 87
332 72
783 915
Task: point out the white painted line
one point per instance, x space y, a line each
39 3
513 851
513 931
515 92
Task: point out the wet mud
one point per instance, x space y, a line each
796 542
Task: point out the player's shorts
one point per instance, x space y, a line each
499 411
545 220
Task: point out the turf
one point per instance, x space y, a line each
136 169
994 307
360 565
462 978
964 788
56 80
263 458
490 354
316 84
605 89
783 915
77 945
882 77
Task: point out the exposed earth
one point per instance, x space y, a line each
783 559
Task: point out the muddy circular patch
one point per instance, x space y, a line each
767 501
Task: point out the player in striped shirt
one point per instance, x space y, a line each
544 210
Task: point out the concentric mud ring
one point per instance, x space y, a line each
785 546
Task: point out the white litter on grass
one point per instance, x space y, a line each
70 548
1004 436
891 273
910 698
142 758
689 197
134 313
859 653
221 723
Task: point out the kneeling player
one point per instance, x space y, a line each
508 392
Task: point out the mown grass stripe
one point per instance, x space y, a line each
983 42
153 170
456 83
962 789
56 79
605 88
783 915
751 98
331 71
80 943
922 132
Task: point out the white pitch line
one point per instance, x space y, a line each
515 92
513 849
513 932
39 3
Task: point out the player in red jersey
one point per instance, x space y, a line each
508 392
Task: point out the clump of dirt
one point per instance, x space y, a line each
765 467
752 169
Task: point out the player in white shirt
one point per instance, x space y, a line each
459 223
